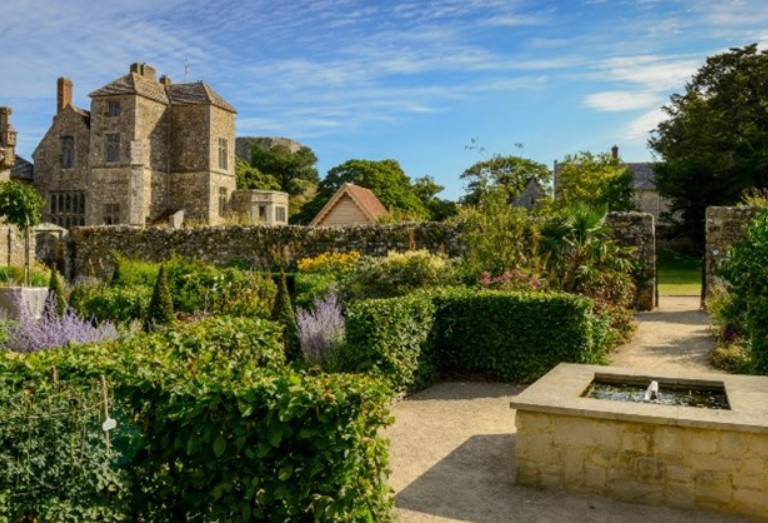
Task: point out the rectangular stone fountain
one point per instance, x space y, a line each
704 453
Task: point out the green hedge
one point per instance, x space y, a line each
501 335
392 337
515 336
213 427
105 303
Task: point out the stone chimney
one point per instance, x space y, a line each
165 80
7 139
147 71
615 152
63 93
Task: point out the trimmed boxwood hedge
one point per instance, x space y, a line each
510 336
213 427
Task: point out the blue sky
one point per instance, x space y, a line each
413 80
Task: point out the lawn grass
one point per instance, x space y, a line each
679 275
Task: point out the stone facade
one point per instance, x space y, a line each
254 207
7 144
724 227
145 149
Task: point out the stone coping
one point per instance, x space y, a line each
560 390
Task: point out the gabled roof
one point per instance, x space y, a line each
22 170
198 93
363 198
133 83
82 114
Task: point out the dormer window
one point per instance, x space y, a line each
67 152
113 108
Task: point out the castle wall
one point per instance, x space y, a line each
724 227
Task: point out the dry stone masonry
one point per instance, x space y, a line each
724 227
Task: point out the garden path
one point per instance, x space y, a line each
452 452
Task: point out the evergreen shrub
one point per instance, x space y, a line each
212 427
502 335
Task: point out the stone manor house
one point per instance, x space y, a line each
147 151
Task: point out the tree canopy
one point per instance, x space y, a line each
21 205
598 181
292 170
714 142
385 178
510 174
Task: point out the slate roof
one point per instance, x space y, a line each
133 83
644 176
22 170
198 93
364 198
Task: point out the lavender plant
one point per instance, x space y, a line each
322 332
53 330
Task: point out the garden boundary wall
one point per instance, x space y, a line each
92 248
724 227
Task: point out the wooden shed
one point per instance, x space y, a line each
351 205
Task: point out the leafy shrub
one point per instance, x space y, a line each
121 304
197 286
56 292
313 287
397 274
505 335
322 332
217 433
515 336
335 263
513 280
282 312
745 272
132 272
160 310
54 462
15 276
391 337
55 330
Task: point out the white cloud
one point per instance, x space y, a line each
641 126
621 100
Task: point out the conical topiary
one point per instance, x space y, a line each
282 311
116 276
56 292
160 310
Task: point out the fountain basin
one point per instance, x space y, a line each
681 456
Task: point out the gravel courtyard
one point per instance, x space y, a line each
452 453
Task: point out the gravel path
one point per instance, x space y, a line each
452 452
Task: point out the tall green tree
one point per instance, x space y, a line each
438 209
714 142
385 178
21 205
598 181
249 177
508 174
292 170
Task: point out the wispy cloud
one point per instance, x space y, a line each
621 100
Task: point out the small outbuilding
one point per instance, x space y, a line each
351 205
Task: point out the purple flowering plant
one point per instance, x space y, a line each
53 330
322 332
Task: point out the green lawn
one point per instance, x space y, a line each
679 275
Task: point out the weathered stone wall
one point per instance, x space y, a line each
258 244
724 227
263 244
636 230
12 246
680 466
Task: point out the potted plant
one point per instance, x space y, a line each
21 205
